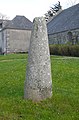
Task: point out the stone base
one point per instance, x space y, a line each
37 95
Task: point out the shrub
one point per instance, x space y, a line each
74 50
54 49
64 50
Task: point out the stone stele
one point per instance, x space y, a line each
38 83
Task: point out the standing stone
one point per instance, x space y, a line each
38 84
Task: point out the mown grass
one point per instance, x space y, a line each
64 104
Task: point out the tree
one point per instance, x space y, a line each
3 20
53 10
71 2
3 17
56 7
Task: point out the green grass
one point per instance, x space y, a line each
64 104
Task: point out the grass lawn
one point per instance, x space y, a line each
64 104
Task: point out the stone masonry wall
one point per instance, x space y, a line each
16 40
1 42
0 39
65 37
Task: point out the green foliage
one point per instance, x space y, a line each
74 50
64 104
54 49
64 50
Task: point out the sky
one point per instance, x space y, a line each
30 8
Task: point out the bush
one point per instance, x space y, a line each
74 50
64 50
54 49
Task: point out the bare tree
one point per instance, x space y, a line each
71 2
3 20
3 17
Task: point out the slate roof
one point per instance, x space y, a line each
68 19
20 22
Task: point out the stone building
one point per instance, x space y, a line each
15 35
64 28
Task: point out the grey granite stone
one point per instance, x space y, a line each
38 83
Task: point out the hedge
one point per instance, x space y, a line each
64 50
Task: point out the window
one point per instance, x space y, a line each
70 37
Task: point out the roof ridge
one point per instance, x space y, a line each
65 20
20 22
